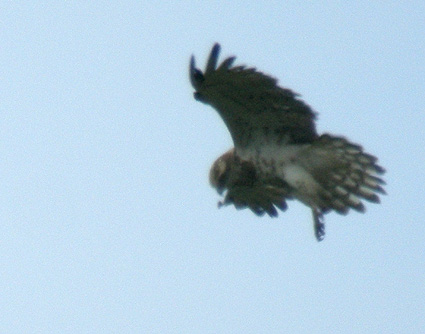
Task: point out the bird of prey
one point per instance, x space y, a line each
278 154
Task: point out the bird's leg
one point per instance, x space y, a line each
319 224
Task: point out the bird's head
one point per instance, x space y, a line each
220 171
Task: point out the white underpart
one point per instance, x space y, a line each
269 152
298 178
284 160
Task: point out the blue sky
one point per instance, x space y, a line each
108 224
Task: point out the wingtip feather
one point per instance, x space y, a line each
226 64
212 60
192 70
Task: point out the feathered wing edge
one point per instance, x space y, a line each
350 177
213 59
196 75
355 176
261 199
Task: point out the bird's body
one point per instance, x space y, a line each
278 154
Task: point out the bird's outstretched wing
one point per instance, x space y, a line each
277 153
251 103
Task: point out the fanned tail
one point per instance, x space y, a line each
350 176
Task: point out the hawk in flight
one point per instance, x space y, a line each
278 154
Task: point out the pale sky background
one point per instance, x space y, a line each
108 223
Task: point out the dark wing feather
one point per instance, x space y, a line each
251 103
261 196
245 189
260 199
